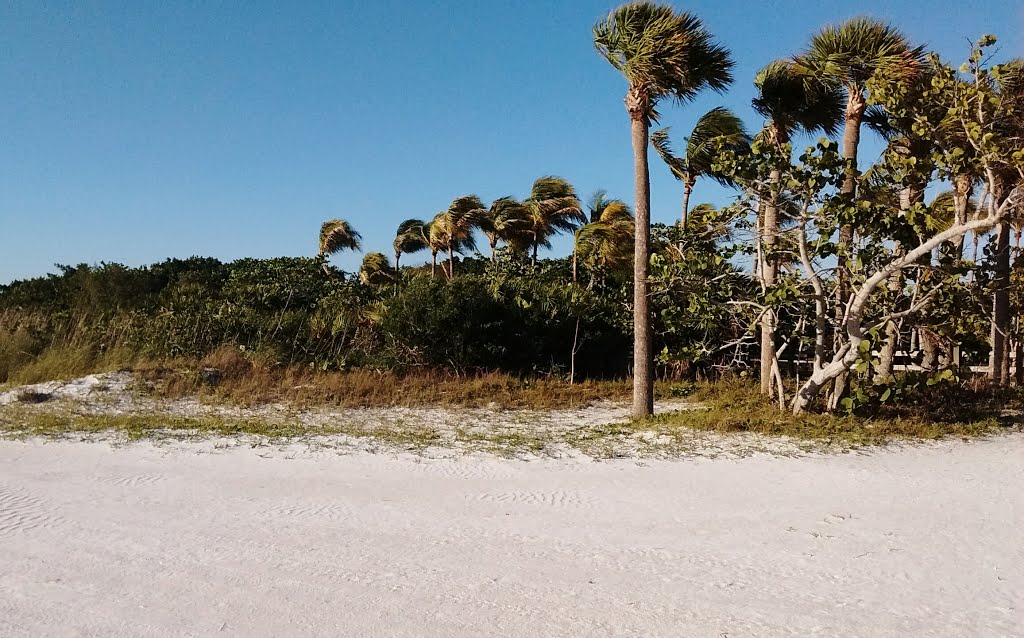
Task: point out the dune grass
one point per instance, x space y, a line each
233 377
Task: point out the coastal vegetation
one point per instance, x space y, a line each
835 285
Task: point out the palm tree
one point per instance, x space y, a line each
432 242
608 239
453 229
409 239
506 220
717 126
790 102
375 270
552 208
337 235
851 54
662 54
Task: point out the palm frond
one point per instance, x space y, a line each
663 147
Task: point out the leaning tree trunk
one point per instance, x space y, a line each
638 105
847 355
433 262
909 196
398 255
687 189
769 273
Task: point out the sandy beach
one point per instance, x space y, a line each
211 538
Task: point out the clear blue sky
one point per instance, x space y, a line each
133 132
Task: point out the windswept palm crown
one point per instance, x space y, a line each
506 220
452 229
337 235
719 126
793 102
853 52
662 54
410 238
375 270
608 239
553 208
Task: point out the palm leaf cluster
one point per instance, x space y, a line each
523 226
607 240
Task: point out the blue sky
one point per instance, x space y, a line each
133 132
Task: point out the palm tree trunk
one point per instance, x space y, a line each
1018 363
638 106
494 246
451 262
536 245
1000 360
574 250
769 267
398 254
962 188
855 106
687 189
433 262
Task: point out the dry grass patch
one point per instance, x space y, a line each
230 376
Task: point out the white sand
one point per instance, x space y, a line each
191 539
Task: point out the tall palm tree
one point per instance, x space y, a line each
337 235
850 54
552 208
409 239
453 228
662 54
790 102
717 126
607 240
506 220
